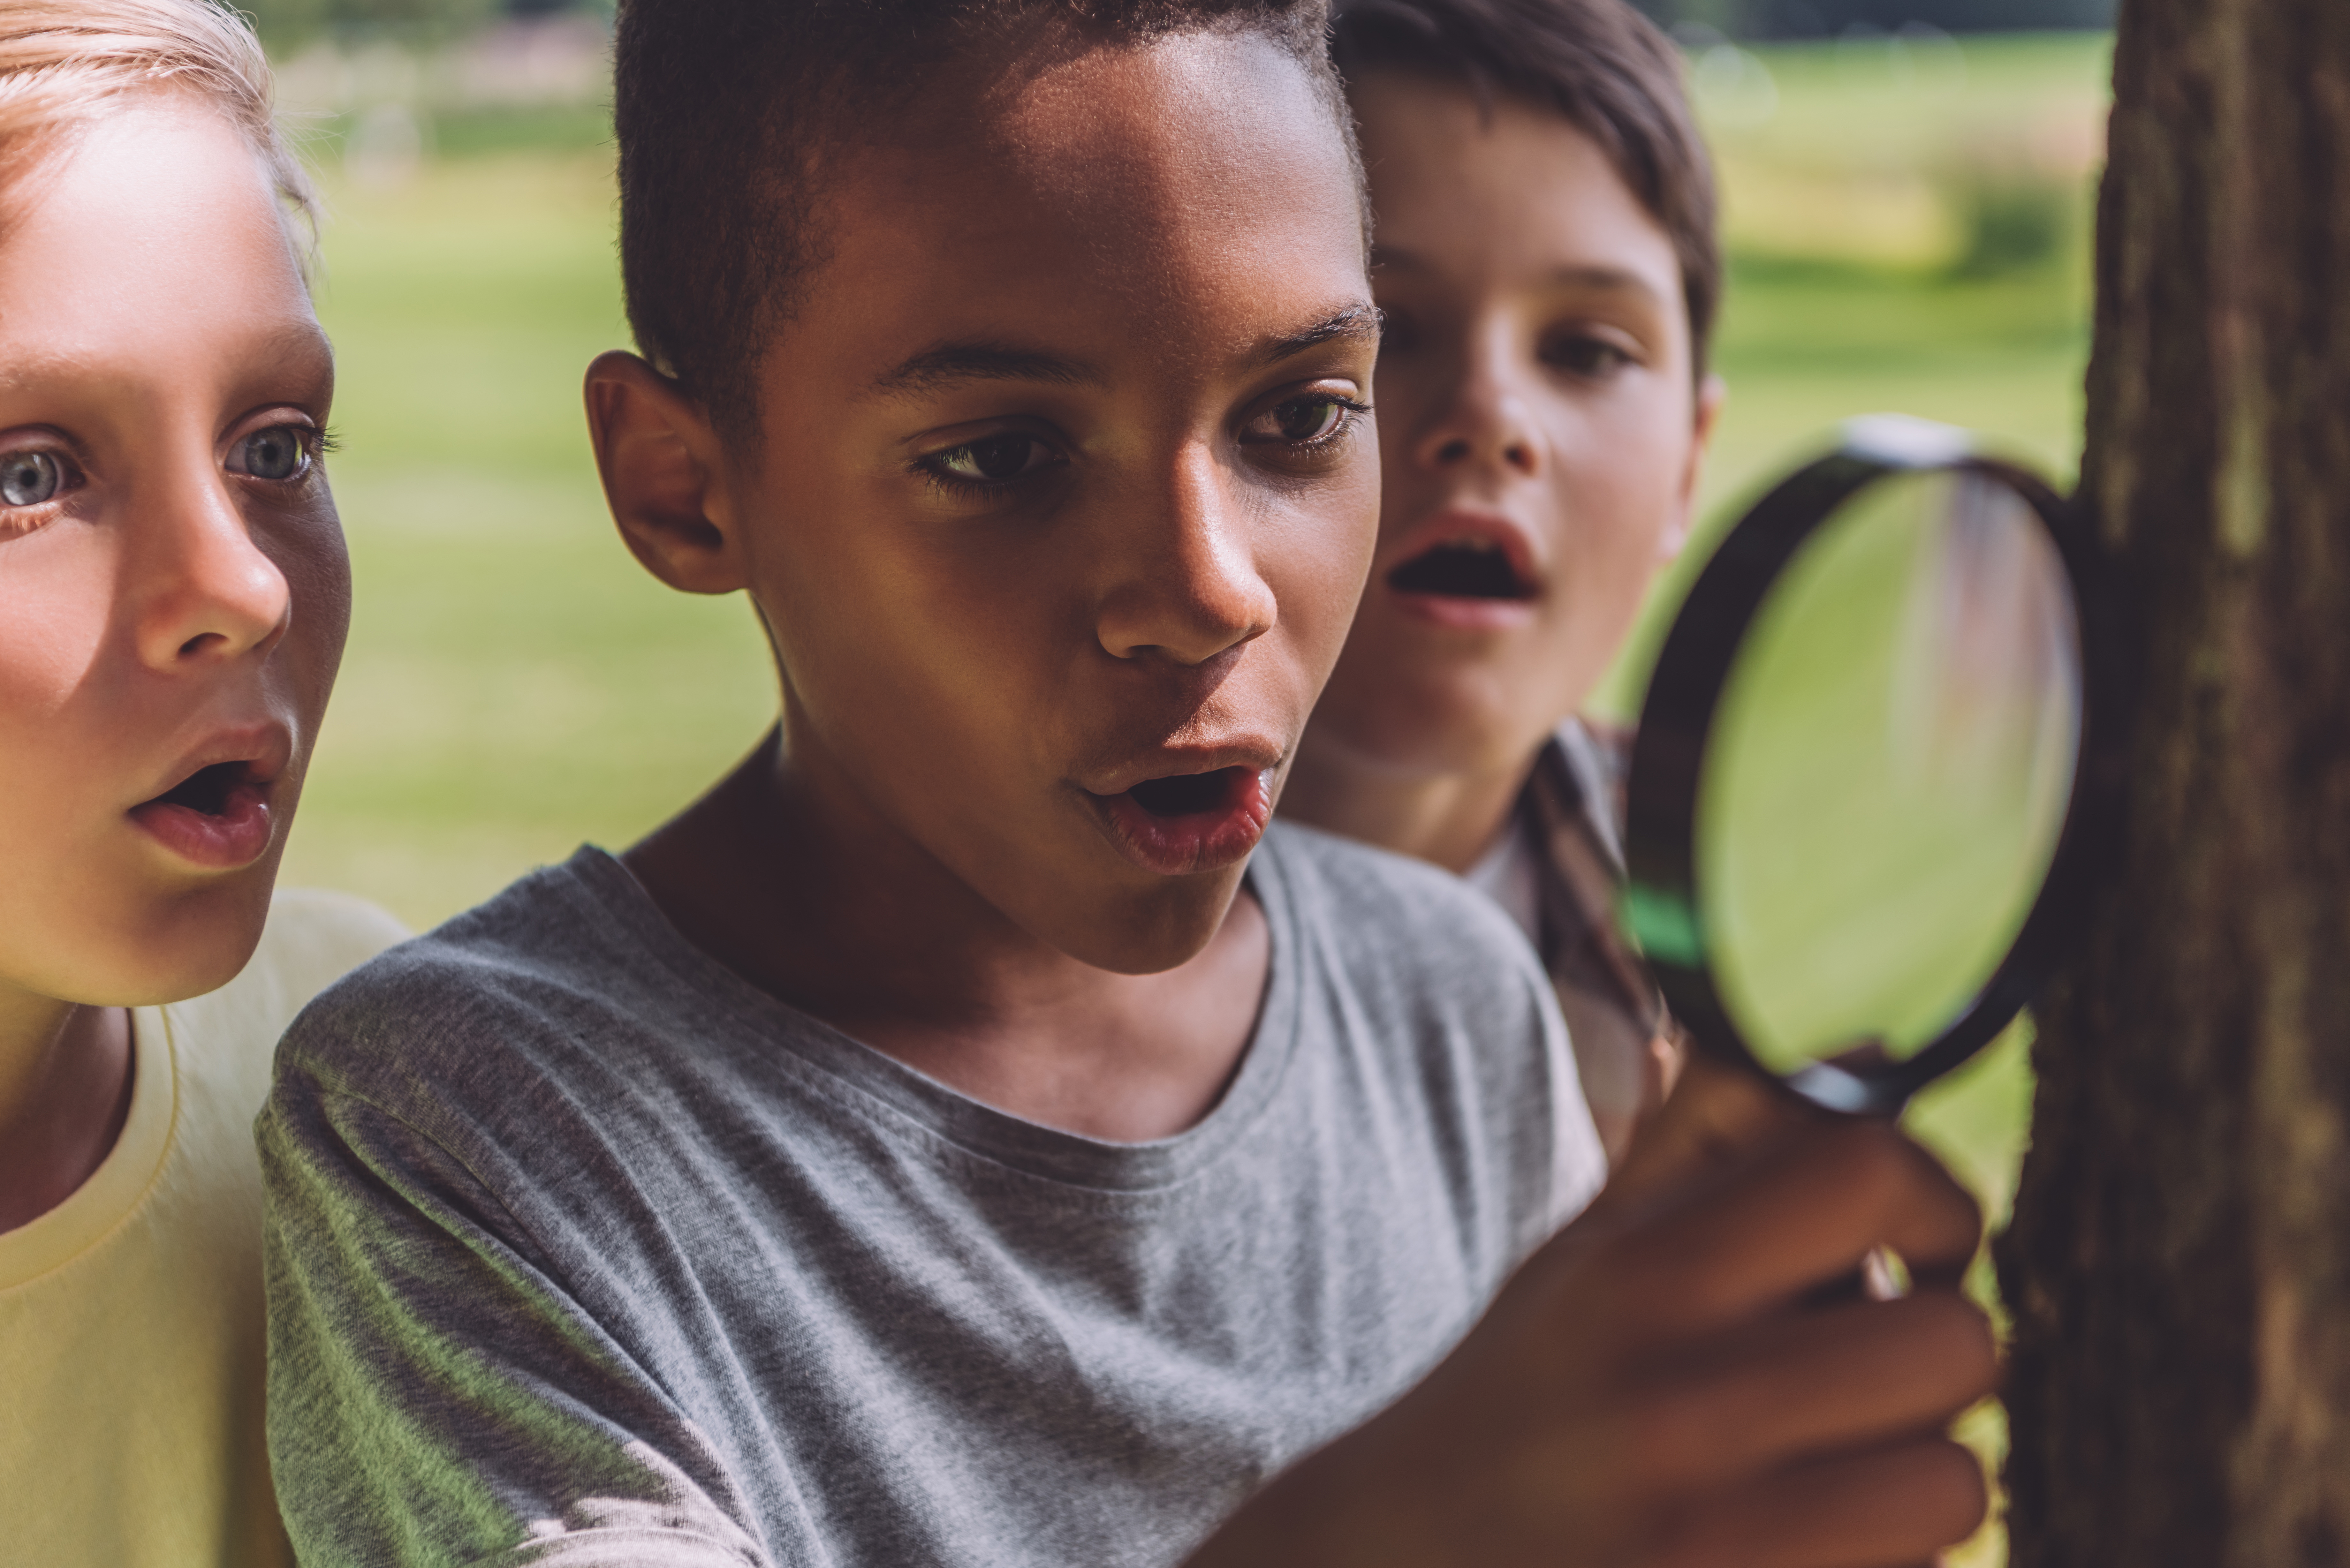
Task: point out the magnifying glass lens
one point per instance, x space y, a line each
1888 770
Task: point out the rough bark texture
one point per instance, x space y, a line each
2180 1263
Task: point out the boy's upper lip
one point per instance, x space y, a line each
1255 752
1482 525
265 746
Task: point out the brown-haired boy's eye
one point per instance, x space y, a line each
1581 354
29 478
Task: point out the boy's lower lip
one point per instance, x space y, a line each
234 837
1209 839
1461 612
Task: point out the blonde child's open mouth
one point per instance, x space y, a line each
218 817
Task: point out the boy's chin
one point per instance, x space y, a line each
1149 932
142 949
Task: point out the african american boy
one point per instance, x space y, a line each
970 1133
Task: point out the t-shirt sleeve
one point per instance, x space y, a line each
434 1395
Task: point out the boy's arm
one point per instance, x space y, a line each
435 1397
1666 1385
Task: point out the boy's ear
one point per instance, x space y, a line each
1711 395
660 460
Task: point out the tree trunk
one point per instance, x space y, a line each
2178 1267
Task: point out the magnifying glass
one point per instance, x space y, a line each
1872 753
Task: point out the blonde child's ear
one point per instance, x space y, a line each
1711 393
659 461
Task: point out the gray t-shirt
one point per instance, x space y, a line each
584 1250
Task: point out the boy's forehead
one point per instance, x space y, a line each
1503 186
1153 183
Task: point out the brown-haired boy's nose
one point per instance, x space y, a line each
1485 423
210 593
1189 588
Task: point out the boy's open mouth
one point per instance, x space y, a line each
1184 823
1461 569
218 817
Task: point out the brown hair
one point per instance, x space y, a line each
1598 64
64 63
727 113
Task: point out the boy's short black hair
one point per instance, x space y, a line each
728 111
1600 65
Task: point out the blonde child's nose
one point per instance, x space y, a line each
214 593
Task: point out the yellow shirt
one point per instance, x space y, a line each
131 1315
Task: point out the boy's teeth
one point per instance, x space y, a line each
206 790
1461 568
1181 793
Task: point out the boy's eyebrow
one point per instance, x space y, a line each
1356 322
1614 279
946 363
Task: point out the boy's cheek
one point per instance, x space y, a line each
1321 565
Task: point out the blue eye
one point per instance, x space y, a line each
278 452
29 478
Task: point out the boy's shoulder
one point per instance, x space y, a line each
536 967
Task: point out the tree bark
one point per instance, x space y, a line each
2178 1267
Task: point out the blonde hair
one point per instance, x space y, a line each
66 63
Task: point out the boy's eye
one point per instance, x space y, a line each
1580 354
995 460
29 478
1301 421
278 452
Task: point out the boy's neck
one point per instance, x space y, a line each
1450 820
787 875
64 1092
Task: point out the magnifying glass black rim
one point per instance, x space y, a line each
1669 754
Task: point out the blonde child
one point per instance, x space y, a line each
173 595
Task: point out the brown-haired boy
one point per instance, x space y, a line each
1546 260
968 1135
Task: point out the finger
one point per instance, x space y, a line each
1802 1213
1716 1117
1886 1507
1771 1392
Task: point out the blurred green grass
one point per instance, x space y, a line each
516 684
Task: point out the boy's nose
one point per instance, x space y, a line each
210 594
1486 422
1191 590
